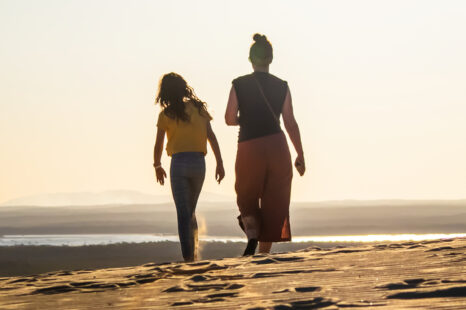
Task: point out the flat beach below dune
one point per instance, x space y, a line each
405 275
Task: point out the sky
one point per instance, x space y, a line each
378 91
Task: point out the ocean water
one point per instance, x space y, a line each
105 239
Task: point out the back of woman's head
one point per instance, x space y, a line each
172 88
173 92
261 51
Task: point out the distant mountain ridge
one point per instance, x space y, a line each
131 197
122 197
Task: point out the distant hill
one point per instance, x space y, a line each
219 218
119 197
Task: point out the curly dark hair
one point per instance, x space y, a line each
261 51
172 95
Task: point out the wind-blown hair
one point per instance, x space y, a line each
172 95
261 51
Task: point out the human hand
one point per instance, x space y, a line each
219 173
300 165
160 175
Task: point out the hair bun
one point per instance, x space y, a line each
259 37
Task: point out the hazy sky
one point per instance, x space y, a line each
379 91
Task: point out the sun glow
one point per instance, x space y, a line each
378 90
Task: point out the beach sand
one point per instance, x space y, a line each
407 275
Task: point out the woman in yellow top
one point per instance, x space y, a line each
185 120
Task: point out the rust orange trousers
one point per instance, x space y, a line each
263 185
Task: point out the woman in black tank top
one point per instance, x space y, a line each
263 162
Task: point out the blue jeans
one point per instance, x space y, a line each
187 172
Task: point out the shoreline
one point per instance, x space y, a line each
108 239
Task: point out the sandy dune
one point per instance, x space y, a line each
409 275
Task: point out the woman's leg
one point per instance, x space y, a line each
251 226
250 174
196 182
180 191
264 247
275 202
186 184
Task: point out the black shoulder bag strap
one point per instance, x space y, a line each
267 102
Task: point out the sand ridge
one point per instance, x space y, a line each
407 275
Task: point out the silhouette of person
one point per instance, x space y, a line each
263 163
186 122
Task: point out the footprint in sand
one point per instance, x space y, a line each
221 295
307 289
454 281
187 271
440 249
315 303
23 280
206 287
141 275
459 291
203 287
406 284
304 289
264 261
208 299
225 277
286 290
416 281
181 303
320 302
146 280
199 279
7 288
174 289
289 258
277 274
54 290
82 284
91 286
277 259
143 278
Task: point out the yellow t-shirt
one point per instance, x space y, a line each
185 136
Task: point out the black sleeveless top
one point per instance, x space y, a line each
255 118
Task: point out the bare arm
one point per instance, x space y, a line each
231 114
220 171
158 150
292 128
